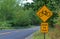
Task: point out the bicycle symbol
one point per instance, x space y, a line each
44 13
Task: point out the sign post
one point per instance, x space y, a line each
44 35
44 14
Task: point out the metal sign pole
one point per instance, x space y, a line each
44 35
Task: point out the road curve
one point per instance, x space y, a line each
17 34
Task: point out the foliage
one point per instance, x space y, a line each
51 4
11 12
13 15
53 33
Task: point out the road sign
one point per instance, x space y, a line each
44 13
44 27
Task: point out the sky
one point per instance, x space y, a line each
27 1
24 1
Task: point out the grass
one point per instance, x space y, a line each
39 35
52 34
8 28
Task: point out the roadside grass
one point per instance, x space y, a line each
52 34
39 35
9 28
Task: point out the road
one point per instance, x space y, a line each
17 34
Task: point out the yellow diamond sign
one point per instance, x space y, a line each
44 13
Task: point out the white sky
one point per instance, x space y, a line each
27 1
24 1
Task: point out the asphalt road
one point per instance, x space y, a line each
17 34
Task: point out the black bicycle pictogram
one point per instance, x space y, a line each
44 13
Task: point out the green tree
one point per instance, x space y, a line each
7 8
51 4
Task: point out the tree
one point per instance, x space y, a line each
7 8
51 4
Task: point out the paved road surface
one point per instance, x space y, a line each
17 34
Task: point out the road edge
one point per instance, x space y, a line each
30 36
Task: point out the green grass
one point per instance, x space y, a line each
8 28
52 34
39 35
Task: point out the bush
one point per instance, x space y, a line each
4 25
